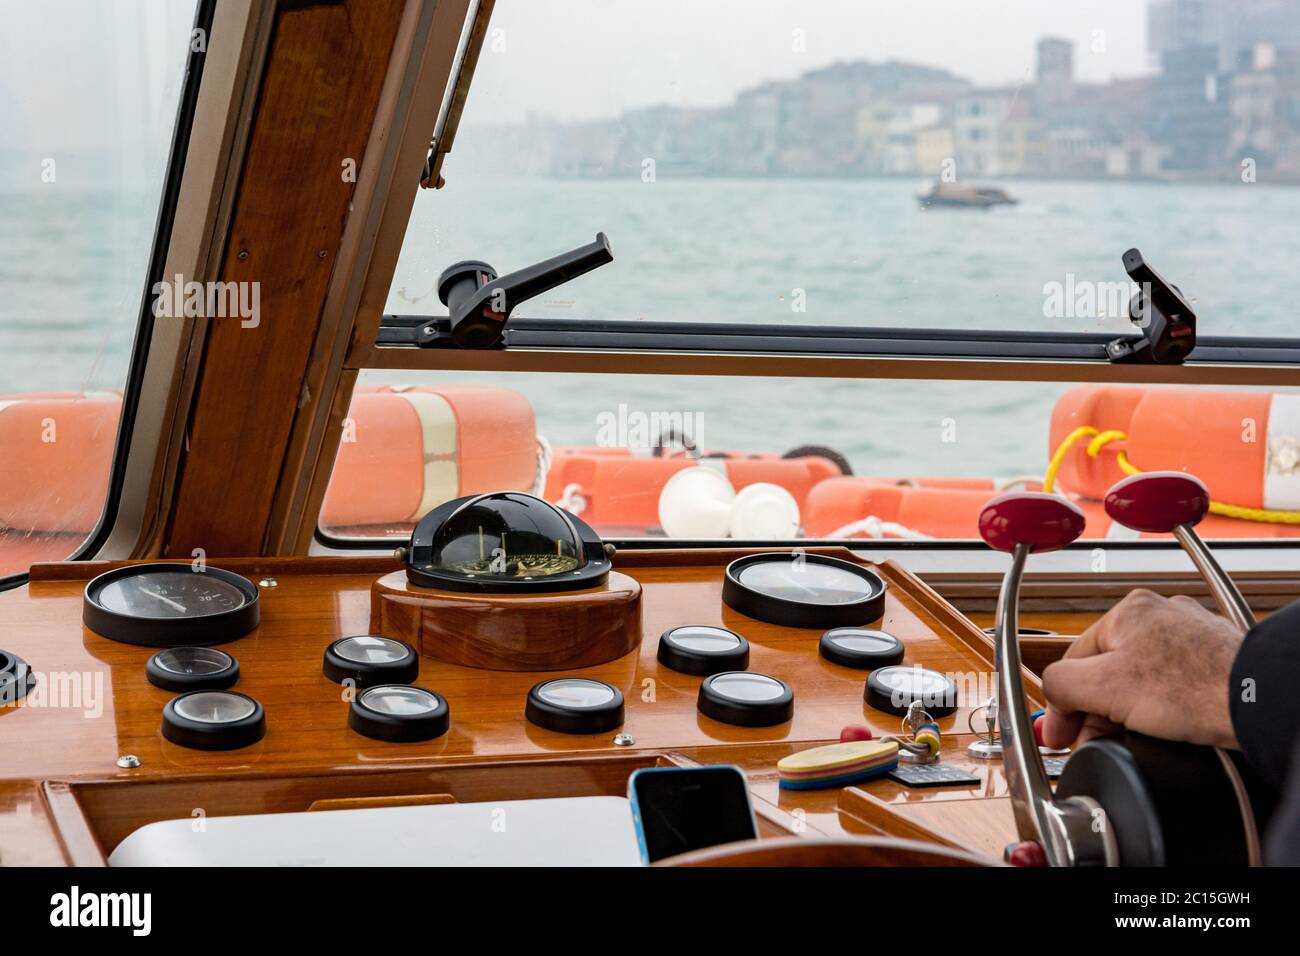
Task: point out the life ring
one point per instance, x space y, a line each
58 452
430 444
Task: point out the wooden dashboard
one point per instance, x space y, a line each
65 800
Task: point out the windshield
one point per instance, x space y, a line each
936 163
88 102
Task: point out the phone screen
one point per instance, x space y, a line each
691 808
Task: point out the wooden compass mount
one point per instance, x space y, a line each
511 632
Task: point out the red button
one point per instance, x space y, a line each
855 732
1028 853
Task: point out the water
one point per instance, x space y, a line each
852 252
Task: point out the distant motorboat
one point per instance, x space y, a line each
962 195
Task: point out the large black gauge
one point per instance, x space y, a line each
167 605
804 590
505 542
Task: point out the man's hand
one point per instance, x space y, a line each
1156 665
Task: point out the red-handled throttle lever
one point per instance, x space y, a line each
1171 502
1039 521
1062 830
1157 502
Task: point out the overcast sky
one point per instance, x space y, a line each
76 73
90 73
582 59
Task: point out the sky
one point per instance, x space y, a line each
591 59
102 73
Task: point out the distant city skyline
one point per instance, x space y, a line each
576 60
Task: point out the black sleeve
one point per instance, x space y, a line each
1264 694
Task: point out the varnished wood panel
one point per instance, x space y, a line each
318 600
323 77
511 632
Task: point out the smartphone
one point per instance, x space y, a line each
679 809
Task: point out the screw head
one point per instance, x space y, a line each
268 583
128 761
624 740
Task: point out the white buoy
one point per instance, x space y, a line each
696 503
764 512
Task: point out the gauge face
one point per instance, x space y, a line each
804 590
170 594
212 707
707 639
805 582
193 661
861 647
398 701
371 650
576 692
166 605
748 687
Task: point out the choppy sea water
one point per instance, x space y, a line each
859 252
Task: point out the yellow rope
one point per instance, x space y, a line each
1099 439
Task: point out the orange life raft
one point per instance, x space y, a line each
430 444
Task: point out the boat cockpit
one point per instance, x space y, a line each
471 433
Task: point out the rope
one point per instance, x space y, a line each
873 527
1100 439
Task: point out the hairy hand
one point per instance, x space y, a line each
1156 665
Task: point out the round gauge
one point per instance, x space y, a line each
399 713
893 689
505 542
370 659
575 705
16 678
803 590
192 668
746 699
213 720
168 605
702 649
865 648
